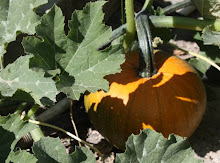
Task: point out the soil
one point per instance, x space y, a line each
206 139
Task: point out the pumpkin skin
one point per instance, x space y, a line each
171 101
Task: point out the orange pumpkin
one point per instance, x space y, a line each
171 101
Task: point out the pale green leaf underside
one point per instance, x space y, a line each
22 156
209 9
211 37
18 76
52 150
152 147
12 128
17 15
200 65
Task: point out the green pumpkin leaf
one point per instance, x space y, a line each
211 37
18 76
200 65
22 156
91 78
51 150
209 9
150 146
83 67
17 16
208 51
51 40
12 128
83 61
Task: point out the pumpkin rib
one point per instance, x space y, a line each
130 111
165 102
157 104
175 92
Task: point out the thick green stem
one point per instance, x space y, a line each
37 134
31 112
147 66
183 23
1 62
130 19
20 108
147 4
122 12
179 5
170 22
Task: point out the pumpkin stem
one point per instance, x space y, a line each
147 65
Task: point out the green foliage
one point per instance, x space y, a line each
18 76
17 16
51 150
82 64
22 156
209 9
72 64
150 146
12 128
208 51
211 37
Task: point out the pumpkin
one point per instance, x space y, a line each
171 101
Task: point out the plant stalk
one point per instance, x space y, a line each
147 65
20 108
169 22
147 5
2 62
54 111
196 55
31 112
177 6
37 134
183 23
122 12
130 19
68 133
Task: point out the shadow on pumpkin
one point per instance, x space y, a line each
174 106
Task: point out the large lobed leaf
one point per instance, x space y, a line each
83 61
12 128
17 16
211 37
150 147
51 150
18 76
51 40
47 149
83 65
209 9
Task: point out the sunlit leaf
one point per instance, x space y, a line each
17 16
18 76
150 146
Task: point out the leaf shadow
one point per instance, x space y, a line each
170 102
